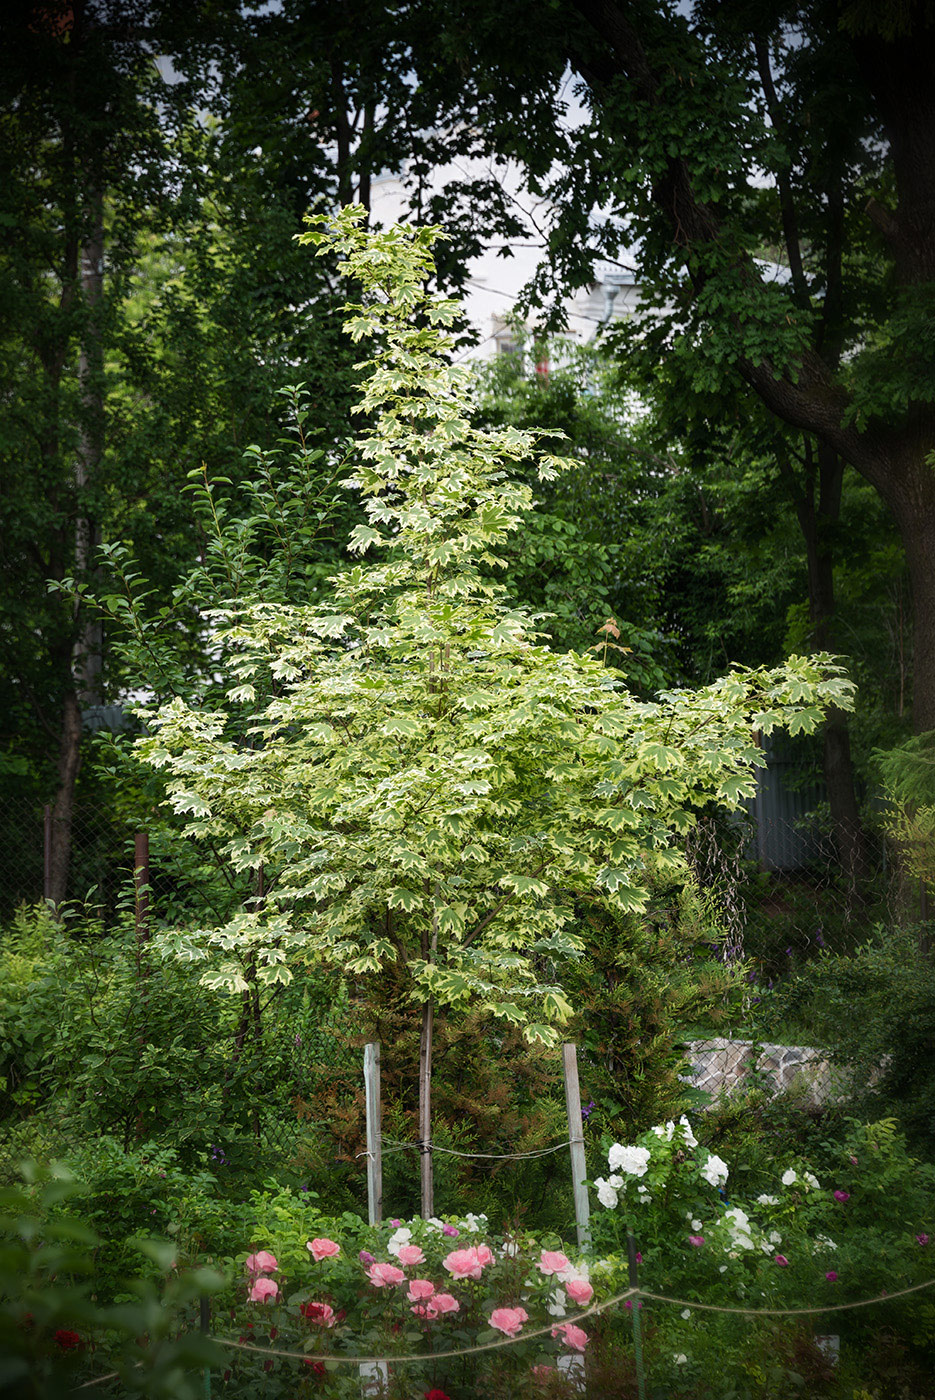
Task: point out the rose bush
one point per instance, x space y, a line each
848 1229
421 1286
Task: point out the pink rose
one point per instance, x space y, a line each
450 1230
831 1276
445 1303
573 1336
579 1291
323 1249
781 1260
551 1262
543 1373
261 1263
264 1291
420 1288
508 1320
410 1254
467 1263
696 1240
428 1309
842 1196
384 1275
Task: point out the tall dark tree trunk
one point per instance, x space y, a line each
817 499
87 651
69 764
913 505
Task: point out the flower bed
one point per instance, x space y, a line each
423 1287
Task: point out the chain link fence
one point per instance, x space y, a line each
277 1078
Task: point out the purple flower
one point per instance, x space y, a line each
696 1240
366 1258
450 1230
819 940
922 1239
788 952
586 1112
831 1276
781 1260
842 1196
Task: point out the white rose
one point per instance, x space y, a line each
396 1241
687 1133
811 1181
557 1303
715 1170
634 1161
789 1177
767 1200
606 1193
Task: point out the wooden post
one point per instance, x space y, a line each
579 1168
47 853
426 1175
374 1150
141 888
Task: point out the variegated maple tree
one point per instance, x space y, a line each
423 782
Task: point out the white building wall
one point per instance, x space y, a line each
495 282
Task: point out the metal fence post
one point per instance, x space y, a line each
47 853
579 1169
141 889
374 1136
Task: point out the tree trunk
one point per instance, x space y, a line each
425 1109
69 764
87 648
87 657
818 514
917 527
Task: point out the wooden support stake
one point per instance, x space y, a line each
374 1134
579 1168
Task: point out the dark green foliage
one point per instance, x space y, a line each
874 1009
55 1334
640 983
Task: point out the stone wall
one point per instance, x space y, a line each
720 1066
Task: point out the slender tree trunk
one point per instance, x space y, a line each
69 764
87 657
916 519
818 504
425 1110
87 649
